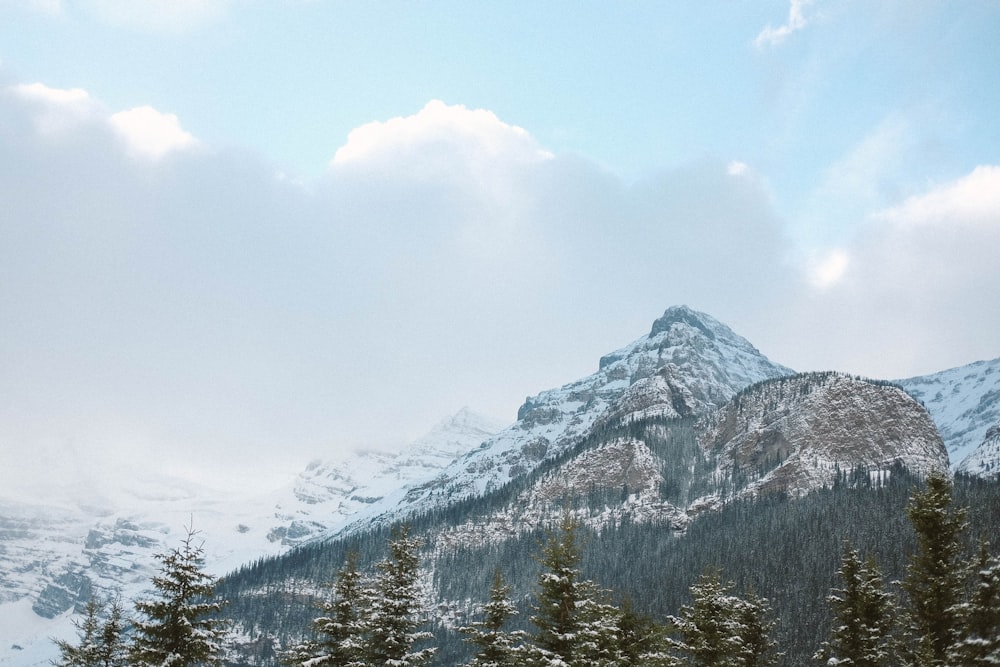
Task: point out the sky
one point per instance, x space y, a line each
239 235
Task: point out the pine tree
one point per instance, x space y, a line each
863 617
719 629
341 630
113 647
178 630
395 608
101 640
497 648
935 575
642 641
573 625
979 645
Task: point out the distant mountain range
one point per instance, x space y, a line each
678 423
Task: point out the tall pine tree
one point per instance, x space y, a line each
935 576
574 626
178 629
395 609
341 630
101 638
719 629
496 646
863 615
979 645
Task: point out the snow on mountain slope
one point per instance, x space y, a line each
327 495
964 402
53 558
984 461
689 357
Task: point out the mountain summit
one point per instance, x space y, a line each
688 364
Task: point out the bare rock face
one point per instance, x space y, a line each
797 434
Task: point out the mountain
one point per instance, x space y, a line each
795 435
965 404
688 363
328 494
684 423
54 557
688 422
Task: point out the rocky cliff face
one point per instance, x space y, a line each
797 434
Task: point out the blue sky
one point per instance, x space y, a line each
288 228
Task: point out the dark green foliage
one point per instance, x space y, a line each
980 616
178 629
719 629
936 574
394 609
495 646
863 615
341 630
787 550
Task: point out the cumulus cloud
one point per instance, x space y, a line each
212 312
151 133
442 133
146 132
772 36
58 110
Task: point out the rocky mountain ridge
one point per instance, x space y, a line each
680 421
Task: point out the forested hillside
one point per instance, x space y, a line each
785 550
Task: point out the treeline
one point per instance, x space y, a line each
946 612
786 550
178 627
717 596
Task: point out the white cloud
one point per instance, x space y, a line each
915 291
471 134
829 269
57 110
972 199
151 133
771 36
147 133
43 93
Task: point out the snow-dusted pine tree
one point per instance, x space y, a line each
395 609
341 630
980 617
936 574
719 629
178 630
863 613
496 646
574 626
101 640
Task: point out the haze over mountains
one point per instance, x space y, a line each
678 422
